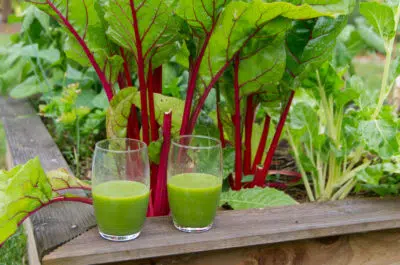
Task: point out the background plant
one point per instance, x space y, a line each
341 133
221 43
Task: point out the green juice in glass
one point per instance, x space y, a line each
120 207
194 198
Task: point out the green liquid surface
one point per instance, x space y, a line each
120 206
194 198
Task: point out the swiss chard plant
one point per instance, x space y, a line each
341 133
251 53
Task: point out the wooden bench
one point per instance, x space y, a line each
334 233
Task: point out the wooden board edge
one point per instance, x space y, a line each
223 245
33 255
31 251
9 160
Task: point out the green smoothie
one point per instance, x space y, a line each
194 198
120 206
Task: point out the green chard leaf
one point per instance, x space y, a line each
158 28
254 28
120 108
381 17
255 198
309 44
380 137
25 189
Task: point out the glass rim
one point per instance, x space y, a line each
175 142
142 145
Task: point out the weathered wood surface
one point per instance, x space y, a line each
374 248
27 137
236 229
5 10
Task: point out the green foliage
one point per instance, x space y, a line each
120 108
255 198
24 63
13 252
336 142
25 189
77 124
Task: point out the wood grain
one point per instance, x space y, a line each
27 137
236 229
374 248
6 10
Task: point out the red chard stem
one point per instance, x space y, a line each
161 206
127 72
260 178
250 111
153 122
141 76
220 125
103 79
157 80
203 98
263 143
238 135
133 131
192 85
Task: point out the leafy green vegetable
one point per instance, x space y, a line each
120 107
255 198
381 17
25 189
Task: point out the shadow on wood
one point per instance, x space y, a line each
374 248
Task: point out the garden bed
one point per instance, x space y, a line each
58 233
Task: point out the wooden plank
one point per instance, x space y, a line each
6 10
15 108
28 137
33 255
374 248
236 229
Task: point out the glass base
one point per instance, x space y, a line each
192 229
119 238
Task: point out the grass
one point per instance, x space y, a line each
4 39
14 250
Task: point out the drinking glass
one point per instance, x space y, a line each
121 179
194 181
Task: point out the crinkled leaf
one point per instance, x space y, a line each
158 28
309 44
256 198
118 112
371 175
381 17
380 137
61 179
263 60
120 107
26 188
240 22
